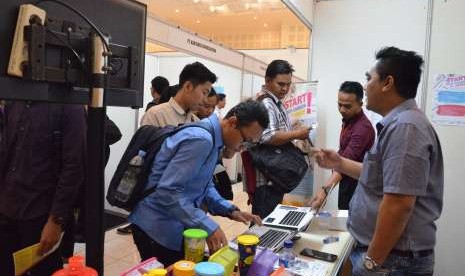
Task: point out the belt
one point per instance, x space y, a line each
401 253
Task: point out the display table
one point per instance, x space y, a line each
313 239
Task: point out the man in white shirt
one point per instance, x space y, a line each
195 82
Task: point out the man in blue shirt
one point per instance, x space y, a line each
182 173
400 183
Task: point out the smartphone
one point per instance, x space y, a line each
318 255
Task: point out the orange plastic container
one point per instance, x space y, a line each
76 268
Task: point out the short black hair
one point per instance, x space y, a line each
159 83
168 92
277 67
212 93
196 73
352 87
403 66
221 96
250 111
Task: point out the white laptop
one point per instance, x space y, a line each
289 217
282 224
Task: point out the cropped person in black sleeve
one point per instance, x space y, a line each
42 154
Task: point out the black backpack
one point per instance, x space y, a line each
149 139
285 165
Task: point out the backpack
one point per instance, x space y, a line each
149 139
283 165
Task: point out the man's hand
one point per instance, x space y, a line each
245 217
302 133
216 241
328 159
50 236
316 201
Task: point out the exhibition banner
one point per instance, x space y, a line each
449 99
302 109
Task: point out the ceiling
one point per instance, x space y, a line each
208 7
239 24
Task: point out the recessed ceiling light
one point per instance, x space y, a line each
254 18
176 11
265 25
197 21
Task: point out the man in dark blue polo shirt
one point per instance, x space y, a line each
400 190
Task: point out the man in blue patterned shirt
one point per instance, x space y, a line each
278 80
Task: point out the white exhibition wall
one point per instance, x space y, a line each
448 56
346 35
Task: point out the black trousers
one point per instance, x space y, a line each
223 185
15 235
346 191
265 199
149 248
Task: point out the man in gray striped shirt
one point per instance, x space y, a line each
400 190
277 84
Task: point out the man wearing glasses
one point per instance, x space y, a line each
278 80
182 174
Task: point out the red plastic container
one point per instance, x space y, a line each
76 268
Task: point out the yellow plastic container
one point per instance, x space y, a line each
226 257
184 268
156 272
248 240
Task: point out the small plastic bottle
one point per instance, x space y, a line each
76 268
130 177
287 256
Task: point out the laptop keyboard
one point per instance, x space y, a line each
271 238
292 218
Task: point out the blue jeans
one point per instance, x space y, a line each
394 265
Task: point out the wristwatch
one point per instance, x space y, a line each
370 264
235 208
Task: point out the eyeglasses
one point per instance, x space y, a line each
245 141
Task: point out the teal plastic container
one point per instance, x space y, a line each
209 269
